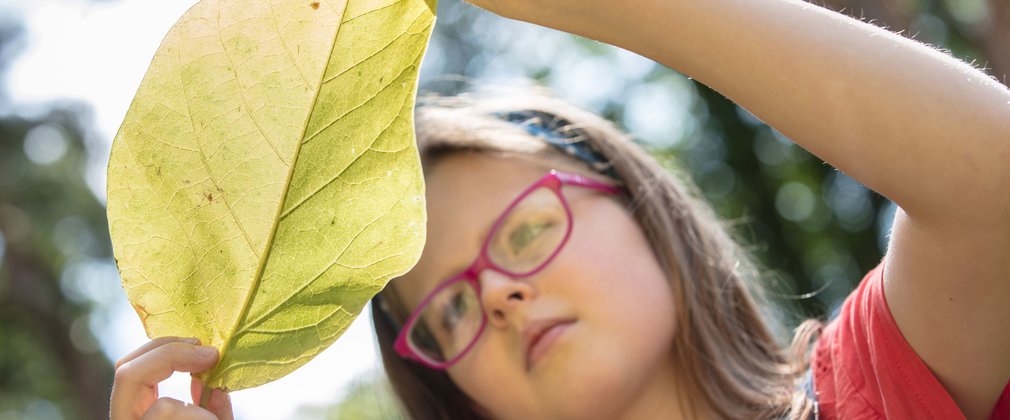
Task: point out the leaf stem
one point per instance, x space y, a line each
205 395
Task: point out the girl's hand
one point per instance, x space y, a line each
135 391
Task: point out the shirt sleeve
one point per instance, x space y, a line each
865 369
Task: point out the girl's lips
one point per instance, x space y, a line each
540 336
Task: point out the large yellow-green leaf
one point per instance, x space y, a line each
265 182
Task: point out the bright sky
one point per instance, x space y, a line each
97 52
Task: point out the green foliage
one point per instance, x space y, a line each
51 228
369 397
265 183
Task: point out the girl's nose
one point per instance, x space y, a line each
502 296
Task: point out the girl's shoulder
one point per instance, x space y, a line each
863 368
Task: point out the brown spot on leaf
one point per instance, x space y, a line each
314 5
209 197
142 312
158 171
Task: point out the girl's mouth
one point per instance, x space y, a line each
538 337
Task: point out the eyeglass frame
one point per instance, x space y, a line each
553 180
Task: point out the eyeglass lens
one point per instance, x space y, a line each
526 238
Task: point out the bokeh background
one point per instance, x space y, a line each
69 69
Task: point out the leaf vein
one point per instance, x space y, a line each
341 172
277 28
336 311
258 277
308 283
241 93
377 52
353 18
359 106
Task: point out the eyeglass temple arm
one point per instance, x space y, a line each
567 178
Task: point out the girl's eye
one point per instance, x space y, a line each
453 311
526 234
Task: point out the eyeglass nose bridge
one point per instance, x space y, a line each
483 262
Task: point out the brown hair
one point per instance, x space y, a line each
725 343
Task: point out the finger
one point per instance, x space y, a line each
167 408
136 381
220 401
158 364
151 345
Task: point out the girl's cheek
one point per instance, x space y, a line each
482 362
479 379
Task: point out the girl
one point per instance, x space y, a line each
566 275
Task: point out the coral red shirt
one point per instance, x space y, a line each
864 369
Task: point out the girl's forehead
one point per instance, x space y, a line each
475 183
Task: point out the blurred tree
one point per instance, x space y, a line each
369 397
52 234
977 31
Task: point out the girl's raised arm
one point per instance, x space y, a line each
916 125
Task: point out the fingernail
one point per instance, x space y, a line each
191 340
206 351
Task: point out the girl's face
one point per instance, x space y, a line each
605 291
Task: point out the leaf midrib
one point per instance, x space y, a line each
247 302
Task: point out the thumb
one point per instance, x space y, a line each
219 403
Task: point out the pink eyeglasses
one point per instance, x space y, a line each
523 240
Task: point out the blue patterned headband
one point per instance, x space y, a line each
561 134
